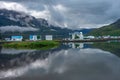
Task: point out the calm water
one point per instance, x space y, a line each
79 61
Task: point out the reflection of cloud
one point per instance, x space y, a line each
71 63
14 51
22 70
16 29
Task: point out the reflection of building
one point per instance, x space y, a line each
76 45
16 38
77 36
48 37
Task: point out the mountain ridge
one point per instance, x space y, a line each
112 30
15 23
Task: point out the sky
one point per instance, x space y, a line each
69 13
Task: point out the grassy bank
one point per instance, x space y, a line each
32 45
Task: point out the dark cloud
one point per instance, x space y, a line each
73 13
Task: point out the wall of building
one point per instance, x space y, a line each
48 37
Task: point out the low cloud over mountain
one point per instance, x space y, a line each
16 29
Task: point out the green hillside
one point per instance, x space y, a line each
112 29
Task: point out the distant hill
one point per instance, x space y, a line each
112 29
19 23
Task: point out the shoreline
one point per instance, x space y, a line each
89 40
85 40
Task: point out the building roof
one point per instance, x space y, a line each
18 37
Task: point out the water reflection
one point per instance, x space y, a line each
78 45
63 63
113 47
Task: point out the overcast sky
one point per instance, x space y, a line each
69 13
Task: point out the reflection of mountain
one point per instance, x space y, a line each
70 64
113 47
11 57
21 62
22 58
13 60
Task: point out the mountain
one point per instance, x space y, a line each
9 17
19 23
112 29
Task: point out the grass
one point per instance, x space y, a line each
32 45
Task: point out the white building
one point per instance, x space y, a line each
81 37
48 37
7 39
77 36
33 37
106 37
16 38
90 37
